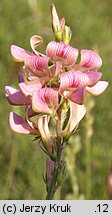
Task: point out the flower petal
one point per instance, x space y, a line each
38 65
58 68
77 96
29 112
73 79
38 105
45 100
19 53
28 89
59 51
98 89
30 78
50 96
35 41
77 113
93 77
16 97
45 133
90 59
20 125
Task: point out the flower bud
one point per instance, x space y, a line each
45 133
67 34
56 24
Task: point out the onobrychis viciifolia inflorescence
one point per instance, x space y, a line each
52 87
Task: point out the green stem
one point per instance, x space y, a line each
54 179
52 187
57 167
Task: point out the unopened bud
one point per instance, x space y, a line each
56 24
67 34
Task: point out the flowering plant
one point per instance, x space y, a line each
52 89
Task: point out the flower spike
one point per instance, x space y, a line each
52 89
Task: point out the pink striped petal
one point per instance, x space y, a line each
98 89
77 96
73 79
35 41
38 65
77 113
59 51
93 77
45 100
19 53
29 89
20 125
16 97
90 60
50 95
38 105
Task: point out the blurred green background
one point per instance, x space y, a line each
21 161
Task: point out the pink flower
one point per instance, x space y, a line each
48 80
35 62
16 97
21 125
74 84
38 65
45 100
23 96
77 112
30 88
60 52
82 77
20 55
90 60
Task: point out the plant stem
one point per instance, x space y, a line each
56 172
52 187
53 183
